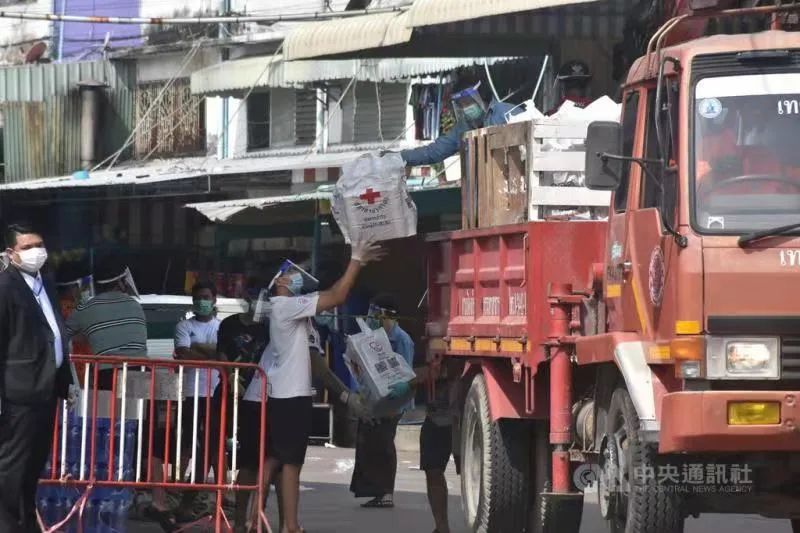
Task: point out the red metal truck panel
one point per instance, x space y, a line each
493 282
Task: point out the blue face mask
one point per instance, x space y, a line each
473 113
295 283
325 320
203 307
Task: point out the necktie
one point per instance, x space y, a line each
37 288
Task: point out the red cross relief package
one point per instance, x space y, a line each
376 367
371 199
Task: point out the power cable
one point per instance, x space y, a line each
116 155
235 19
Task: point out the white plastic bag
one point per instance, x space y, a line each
375 367
371 200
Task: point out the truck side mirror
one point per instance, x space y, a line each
603 173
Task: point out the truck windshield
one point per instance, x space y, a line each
747 157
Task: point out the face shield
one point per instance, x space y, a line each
82 288
127 280
469 106
377 314
301 282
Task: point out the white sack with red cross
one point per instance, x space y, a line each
371 200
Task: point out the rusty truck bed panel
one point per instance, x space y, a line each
492 284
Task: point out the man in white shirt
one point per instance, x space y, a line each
289 411
195 340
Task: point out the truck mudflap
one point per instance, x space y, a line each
706 421
506 398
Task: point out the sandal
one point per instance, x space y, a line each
378 503
165 519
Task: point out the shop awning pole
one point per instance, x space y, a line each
317 241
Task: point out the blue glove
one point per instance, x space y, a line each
398 390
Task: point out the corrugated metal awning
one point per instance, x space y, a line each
239 75
224 210
319 39
188 168
432 12
460 28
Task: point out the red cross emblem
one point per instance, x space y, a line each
370 196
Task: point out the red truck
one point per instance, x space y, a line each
655 355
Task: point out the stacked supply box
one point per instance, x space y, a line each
106 510
376 368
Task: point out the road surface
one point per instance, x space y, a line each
328 507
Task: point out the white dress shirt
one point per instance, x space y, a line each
37 287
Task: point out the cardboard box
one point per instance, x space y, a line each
375 368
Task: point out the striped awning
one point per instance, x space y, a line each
432 12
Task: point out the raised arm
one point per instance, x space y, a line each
362 254
443 147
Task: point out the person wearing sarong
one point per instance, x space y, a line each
376 456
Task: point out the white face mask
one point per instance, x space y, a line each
32 260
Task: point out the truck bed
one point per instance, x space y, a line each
488 288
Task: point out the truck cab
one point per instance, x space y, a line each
699 280
655 354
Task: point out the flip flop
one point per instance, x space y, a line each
378 503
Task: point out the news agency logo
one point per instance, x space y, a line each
688 478
586 476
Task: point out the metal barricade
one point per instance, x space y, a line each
140 390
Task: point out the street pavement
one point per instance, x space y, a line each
327 506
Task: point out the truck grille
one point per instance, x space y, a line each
728 63
790 358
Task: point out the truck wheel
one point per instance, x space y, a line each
641 506
494 477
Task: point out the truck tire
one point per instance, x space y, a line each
641 506
495 473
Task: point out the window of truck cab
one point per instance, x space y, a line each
630 116
745 150
661 175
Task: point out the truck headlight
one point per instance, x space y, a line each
743 358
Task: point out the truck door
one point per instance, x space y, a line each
619 299
652 249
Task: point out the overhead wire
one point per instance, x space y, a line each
183 116
243 101
114 157
231 19
331 114
380 113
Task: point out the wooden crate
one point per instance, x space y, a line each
504 171
494 176
542 193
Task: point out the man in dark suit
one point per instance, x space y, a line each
34 373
